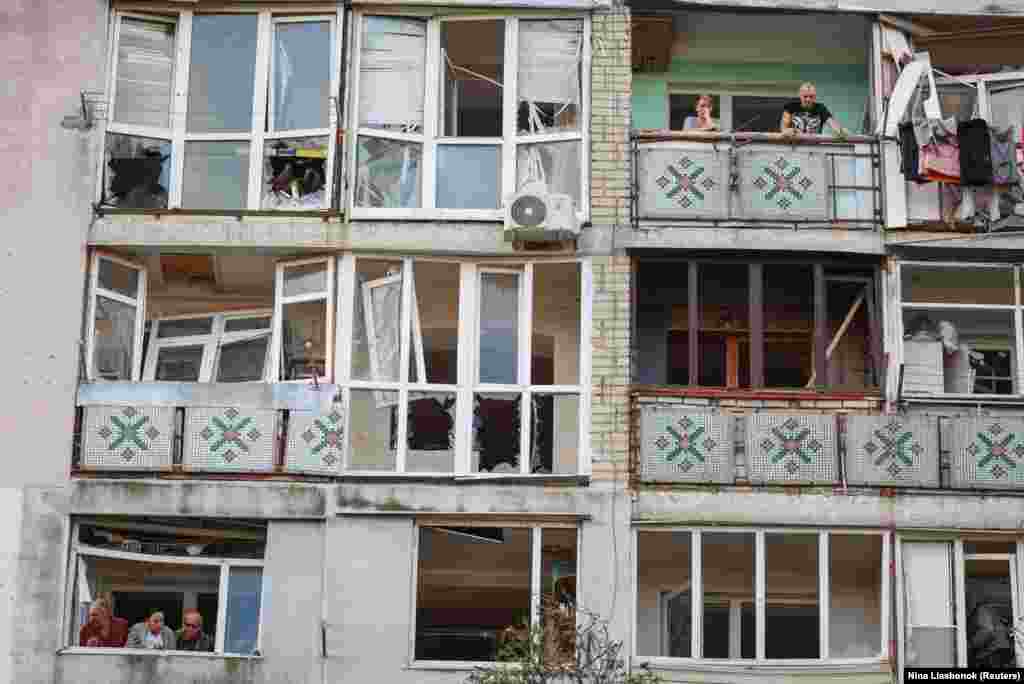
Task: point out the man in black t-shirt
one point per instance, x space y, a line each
808 116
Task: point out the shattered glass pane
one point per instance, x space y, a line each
294 173
137 172
216 175
302 80
373 426
145 73
496 425
387 173
113 350
550 167
222 73
550 54
473 69
391 73
179 364
430 434
468 176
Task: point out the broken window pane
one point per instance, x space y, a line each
222 74
468 176
961 351
387 173
145 73
663 614
245 590
550 54
855 605
724 325
555 444
988 594
179 364
789 325
556 321
550 167
558 594
294 173
431 432
473 66
118 278
728 573
473 591
499 328
791 627
301 84
304 344
373 425
496 425
113 353
183 327
949 284
216 175
376 329
391 72
137 172
242 361
437 296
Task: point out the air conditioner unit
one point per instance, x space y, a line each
536 215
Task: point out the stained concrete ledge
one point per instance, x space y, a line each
235 499
651 235
125 668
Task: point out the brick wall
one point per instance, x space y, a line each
610 95
611 366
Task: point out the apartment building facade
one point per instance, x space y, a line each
313 369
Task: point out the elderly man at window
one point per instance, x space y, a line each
152 634
191 636
808 116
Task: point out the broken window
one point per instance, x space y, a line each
196 572
969 348
737 325
480 153
478 590
736 571
252 112
418 325
223 347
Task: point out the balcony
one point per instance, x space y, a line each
756 179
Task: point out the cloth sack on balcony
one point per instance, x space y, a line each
1004 156
975 152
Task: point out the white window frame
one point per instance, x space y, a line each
467 363
958 589
225 565
760 602
430 137
177 134
212 342
536 572
273 371
1016 310
139 303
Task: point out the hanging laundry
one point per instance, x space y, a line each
975 152
1004 156
910 162
939 149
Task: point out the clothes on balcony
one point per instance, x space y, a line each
939 149
975 152
910 158
1004 156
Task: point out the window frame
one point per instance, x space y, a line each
466 363
225 565
211 342
726 94
1016 309
328 297
536 578
139 302
760 600
268 17
430 138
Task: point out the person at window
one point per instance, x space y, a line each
702 121
808 116
152 634
191 636
103 629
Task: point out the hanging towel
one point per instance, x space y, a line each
1004 156
975 152
910 162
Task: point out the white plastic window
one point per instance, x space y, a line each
219 347
115 319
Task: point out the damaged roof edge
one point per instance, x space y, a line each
1006 8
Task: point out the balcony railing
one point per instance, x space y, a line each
756 178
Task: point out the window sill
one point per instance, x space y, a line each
455 665
764 667
239 214
795 394
85 650
540 478
1015 399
